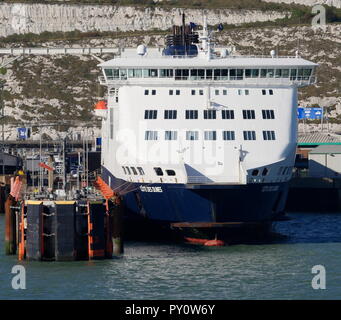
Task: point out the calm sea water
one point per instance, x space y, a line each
280 270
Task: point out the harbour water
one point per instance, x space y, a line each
279 269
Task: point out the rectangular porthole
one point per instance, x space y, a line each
210 114
249 114
269 135
171 135
170 114
210 135
227 114
249 135
151 135
192 135
268 114
228 135
150 114
191 114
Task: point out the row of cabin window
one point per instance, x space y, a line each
241 92
265 171
209 114
129 170
210 135
209 74
140 171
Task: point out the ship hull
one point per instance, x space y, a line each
222 208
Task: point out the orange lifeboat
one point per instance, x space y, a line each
101 105
101 108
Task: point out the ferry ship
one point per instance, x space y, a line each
194 135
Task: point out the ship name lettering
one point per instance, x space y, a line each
150 189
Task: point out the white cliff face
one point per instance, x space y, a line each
37 18
333 3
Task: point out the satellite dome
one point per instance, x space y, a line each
141 50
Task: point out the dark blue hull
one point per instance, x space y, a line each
202 203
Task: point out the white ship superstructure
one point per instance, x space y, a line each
197 117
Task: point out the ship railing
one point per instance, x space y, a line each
299 81
256 56
185 56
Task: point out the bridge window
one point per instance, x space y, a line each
209 74
135 73
236 74
221 74
191 114
285 73
124 170
112 73
197 74
192 135
170 114
123 74
150 114
304 74
210 114
228 135
171 135
249 135
269 135
210 135
293 74
150 73
249 114
150 135
251 73
166 73
227 114
181 74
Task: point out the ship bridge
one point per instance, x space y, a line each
131 69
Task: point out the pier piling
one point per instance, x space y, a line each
10 226
117 211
